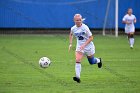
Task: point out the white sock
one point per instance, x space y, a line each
131 41
98 60
78 69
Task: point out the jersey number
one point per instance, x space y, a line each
80 38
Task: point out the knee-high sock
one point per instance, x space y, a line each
93 60
78 69
131 41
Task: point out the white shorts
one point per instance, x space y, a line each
129 29
87 51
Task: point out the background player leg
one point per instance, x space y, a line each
131 40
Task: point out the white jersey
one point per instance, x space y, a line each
82 34
129 27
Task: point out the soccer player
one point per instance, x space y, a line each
84 46
129 19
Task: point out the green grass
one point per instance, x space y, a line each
20 71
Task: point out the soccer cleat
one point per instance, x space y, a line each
100 64
131 46
77 79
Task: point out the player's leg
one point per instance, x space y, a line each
92 60
127 31
79 56
131 39
130 33
90 56
128 37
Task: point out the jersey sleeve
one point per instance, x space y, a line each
124 18
71 31
134 17
88 31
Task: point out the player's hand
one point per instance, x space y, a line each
70 47
82 47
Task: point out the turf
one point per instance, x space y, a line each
20 71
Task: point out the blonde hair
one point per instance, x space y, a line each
79 15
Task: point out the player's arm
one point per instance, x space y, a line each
70 40
135 20
124 21
87 42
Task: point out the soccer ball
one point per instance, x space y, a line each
44 62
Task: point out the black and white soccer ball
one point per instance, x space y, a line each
44 62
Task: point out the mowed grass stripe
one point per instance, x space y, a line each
51 76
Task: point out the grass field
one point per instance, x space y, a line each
20 71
